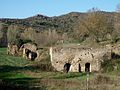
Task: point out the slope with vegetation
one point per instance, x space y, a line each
74 27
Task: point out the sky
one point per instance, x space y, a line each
27 8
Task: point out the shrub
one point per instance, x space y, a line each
107 66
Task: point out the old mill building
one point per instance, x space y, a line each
78 59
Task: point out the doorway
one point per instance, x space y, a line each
87 67
79 67
67 67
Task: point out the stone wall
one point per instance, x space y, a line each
12 49
31 47
28 51
78 58
116 49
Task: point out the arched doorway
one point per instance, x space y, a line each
87 67
79 67
67 67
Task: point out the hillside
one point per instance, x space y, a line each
63 22
44 22
71 27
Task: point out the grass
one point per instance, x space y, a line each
17 73
70 75
10 60
10 71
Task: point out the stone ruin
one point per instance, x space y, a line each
12 49
79 59
68 58
28 51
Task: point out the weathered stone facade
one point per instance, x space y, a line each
79 59
28 51
28 46
116 48
12 49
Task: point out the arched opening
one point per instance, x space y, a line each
87 67
67 67
79 67
33 55
30 55
27 51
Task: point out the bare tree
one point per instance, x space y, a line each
29 34
116 33
1 33
13 34
118 8
95 25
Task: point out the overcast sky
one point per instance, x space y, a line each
27 8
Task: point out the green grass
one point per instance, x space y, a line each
11 60
17 73
10 71
9 75
70 75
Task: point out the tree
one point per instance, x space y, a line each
13 34
95 24
3 34
29 34
116 33
118 8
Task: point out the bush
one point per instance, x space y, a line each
107 66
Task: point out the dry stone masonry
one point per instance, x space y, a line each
78 59
75 58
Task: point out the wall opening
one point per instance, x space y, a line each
115 56
79 67
67 67
33 55
30 55
87 67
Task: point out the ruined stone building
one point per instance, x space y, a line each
28 51
78 59
68 58
12 49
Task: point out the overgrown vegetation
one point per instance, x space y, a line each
112 65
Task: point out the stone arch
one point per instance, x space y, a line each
67 67
30 55
87 67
